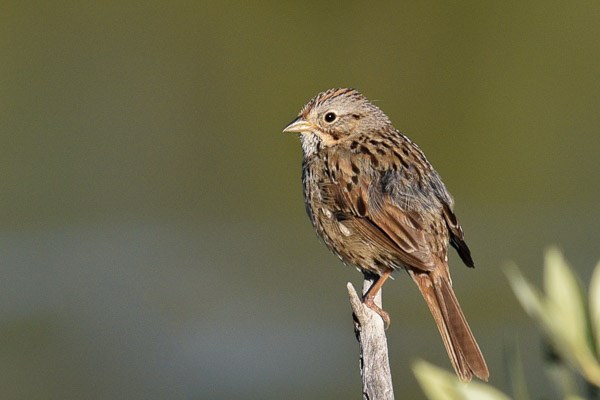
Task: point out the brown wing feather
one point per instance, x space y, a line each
410 239
397 231
457 237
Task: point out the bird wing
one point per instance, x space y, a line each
378 216
457 237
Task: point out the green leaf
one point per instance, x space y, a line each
564 302
561 313
439 384
568 311
528 296
595 306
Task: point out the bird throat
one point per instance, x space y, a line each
312 142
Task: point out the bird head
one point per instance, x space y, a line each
334 116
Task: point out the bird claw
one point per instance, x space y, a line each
368 301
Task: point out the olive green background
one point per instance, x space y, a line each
153 240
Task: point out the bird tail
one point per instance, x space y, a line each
463 351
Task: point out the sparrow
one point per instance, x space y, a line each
378 205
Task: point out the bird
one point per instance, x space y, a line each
377 203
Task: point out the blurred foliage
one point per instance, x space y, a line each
439 384
570 322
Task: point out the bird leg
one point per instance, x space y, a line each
369 297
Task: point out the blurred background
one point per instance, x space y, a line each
153 238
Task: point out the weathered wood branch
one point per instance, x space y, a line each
370 332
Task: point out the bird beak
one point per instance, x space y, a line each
298 125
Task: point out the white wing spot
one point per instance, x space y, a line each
344 229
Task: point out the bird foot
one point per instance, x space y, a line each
368 301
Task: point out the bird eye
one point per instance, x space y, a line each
330 117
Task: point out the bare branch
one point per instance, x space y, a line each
370 332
